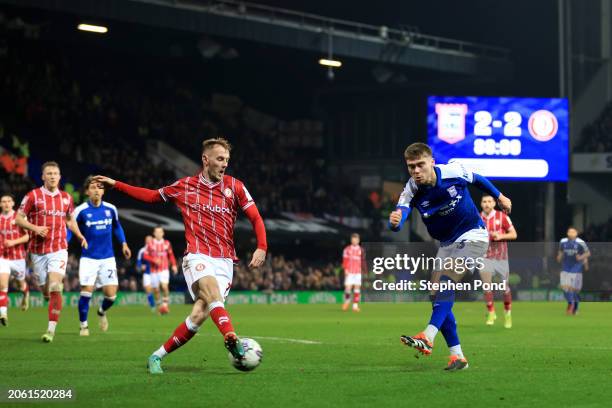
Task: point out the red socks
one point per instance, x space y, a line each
180 336
356 296
3 299
55 306
221 318
187 329
489 300
507 301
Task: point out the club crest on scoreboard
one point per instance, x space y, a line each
451 121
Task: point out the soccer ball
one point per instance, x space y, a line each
252 356
163 309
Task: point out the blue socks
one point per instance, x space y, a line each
576 301
442 305
84 307
568 297
449 330
151 300
573 299
106 304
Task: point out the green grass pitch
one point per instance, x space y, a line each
348 359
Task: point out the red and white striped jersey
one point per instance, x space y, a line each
497 221
209 212
9 230
44 208
160 250
352 259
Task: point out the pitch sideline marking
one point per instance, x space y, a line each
288 340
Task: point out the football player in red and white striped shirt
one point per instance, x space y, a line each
160 255
352 264
500 230
209 203
12 256
46 212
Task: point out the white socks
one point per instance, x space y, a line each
191 325
430 332
51 327
456 351
213 305
161 352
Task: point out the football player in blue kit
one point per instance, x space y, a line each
440 194
99 221
573 255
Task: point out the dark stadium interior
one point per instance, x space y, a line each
94 102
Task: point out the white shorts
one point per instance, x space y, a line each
16 267
196 266
146 279
52 262
99 272
158 277
352 279
572 280
497 267
473 245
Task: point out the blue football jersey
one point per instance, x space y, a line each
98 224
447 208
571 248
140 261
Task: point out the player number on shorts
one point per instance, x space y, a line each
110 273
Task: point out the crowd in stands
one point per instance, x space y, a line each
276 274
597 136
100 117
598 232
279 273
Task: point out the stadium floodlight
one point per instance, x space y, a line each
93 28
330 63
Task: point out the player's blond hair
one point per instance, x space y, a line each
210 143
416 151
49 164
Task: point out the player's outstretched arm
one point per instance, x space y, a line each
142 194
485 185
259 256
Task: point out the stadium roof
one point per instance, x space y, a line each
292 29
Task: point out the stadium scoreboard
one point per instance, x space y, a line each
502 138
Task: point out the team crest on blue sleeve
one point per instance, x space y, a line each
452 191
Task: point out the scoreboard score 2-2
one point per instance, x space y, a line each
500 137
